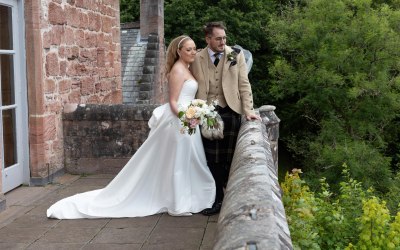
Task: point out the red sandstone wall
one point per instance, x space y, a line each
73 56
81 47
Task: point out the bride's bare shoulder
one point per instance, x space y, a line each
178 68
177 73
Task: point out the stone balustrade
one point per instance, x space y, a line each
252 214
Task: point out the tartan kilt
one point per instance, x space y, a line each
221 151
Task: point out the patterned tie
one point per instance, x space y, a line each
216 61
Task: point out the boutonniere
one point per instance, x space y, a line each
232 57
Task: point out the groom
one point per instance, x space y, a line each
222 75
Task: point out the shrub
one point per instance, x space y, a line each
351 219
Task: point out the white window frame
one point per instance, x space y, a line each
19 173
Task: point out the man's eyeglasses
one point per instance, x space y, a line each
219 39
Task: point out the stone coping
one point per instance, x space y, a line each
252 215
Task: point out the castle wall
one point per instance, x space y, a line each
102 138
73 56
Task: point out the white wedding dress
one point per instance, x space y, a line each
168 173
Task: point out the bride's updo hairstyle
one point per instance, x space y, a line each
172 51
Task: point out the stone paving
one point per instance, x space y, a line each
24 225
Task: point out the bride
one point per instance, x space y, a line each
168 173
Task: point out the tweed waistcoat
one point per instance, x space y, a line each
215 85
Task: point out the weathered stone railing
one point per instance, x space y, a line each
252 215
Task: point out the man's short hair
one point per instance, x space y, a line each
209 27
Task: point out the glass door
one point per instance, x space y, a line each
13 119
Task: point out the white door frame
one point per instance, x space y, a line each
18 173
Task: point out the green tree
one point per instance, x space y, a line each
392 3
246 22
129 10
336 78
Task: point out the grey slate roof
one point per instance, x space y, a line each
132 59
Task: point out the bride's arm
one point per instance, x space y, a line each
175 83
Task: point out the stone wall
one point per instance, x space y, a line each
82 52
102 138
73 56
252 214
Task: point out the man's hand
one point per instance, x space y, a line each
253 117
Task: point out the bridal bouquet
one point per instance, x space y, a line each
198 112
